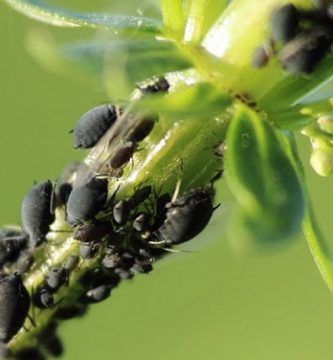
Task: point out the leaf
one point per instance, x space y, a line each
262 177
298 116
42 11
293 90
122 62
199 100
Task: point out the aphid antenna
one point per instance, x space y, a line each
179 182
53 197
33 317
178 251
58 302
157 243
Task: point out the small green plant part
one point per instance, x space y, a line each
242 81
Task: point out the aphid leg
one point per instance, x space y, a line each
179 182
176 192
58 302
46 250
25 328
217 176
31 319
53 199
157 243
216 207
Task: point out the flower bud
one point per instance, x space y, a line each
322 159
325 124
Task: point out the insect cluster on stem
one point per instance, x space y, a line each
120 235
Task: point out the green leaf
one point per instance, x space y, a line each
122 62
292 90
262 176
42 11
196 101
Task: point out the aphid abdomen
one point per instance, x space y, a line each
301 55
37 213
122 155
11 247
284 22
93 231
186 217
93 125
14 305
85 201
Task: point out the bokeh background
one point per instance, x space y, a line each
220 302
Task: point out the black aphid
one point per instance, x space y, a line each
43 298
12 243
141 129
122 155
260 57
123 274
24 262
98 294
70 312
94 231
62 193
120 212
56 277
37 212
161 209
142 268
93 125
71 263
140 195
302 54
53 345
29 354
186 217
97 277
110 261
127 260
284 23
86 201
89 250
49 340
14 305
160 85
141 222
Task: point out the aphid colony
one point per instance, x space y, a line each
300 38
126 235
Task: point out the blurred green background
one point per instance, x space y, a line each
216 303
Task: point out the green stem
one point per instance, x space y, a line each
200 16
320 251
173 17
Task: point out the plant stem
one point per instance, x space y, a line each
173 17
